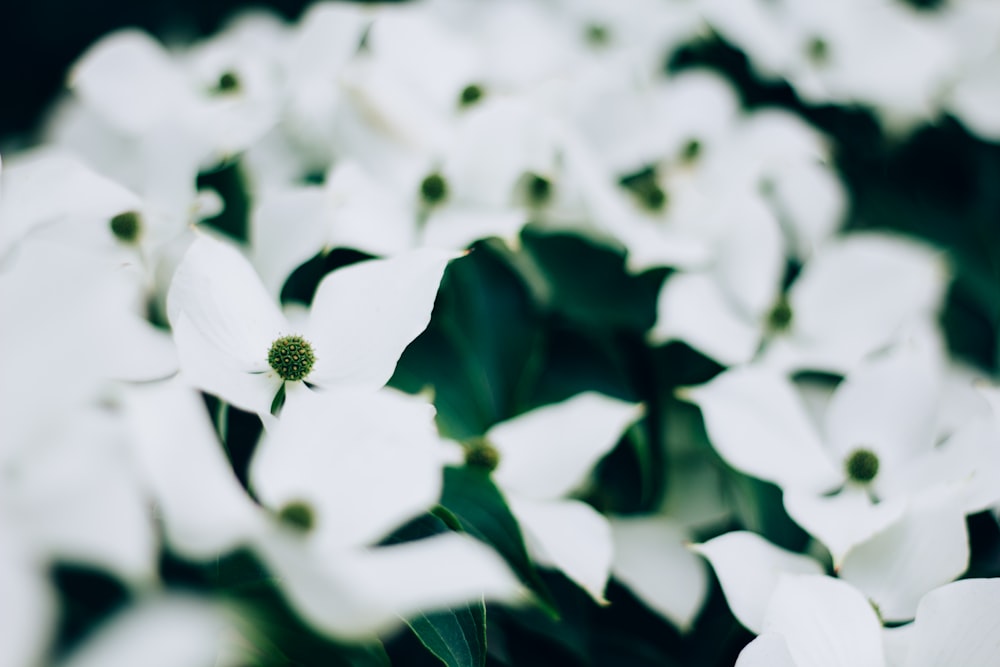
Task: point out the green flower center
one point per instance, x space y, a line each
818 50
298 515
539 189
862 465
690 151
644 185
780 317
291 357
434 189
479 453
228 83
597 34
470 95
126 226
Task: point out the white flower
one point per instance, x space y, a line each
334 476
540 457
234 342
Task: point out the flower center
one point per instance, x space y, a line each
862 465
291 357
470 95
690 151
126 226
298 514
539 189
434 189
644 185
479 453
228 83
818 51
780 317
597 34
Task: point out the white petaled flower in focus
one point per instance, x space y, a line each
234 342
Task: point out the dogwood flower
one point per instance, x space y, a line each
877 445
335 475
816 620
540 457
234 342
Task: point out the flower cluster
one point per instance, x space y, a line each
314 330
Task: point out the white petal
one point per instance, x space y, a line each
812 200
549 451
202 366
927 547
364 214
131 81
288 229
456 228
204 510
748 568
751 256
758 424
768 650
958 624
825 622
888 405
365 463
363 316
27 606
652 559
693 308
218 291
843 520
570 536
354 594
863 287
174 631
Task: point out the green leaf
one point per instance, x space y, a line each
457 638
471 497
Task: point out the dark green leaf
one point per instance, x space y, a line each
457 638
472 498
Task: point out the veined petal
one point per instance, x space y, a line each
570 536
843 520
768 650
549 451
363 316
223 299
927 547
748 568
363 462
204 510
758 424
652 559
203 367
825 622
693 308
354 594
957 624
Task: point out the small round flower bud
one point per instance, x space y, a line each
291 357
481 454
470 95
127 226
434 189
862 465
298 515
